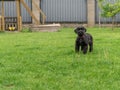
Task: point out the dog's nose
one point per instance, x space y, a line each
80 33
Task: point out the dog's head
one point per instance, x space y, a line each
81 33
80 29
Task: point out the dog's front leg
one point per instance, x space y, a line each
77 47
82 48
85 49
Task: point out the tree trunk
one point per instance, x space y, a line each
99 19
112 23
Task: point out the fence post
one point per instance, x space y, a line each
0 23
91 12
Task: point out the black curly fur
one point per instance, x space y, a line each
83 40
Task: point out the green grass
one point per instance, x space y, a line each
47 61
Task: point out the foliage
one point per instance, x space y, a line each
100 3
47 61
109 9
26 30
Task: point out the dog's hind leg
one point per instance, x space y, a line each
91 47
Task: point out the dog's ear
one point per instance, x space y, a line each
76 30
85 29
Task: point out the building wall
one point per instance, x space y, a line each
65 10
81 11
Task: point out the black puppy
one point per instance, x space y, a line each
83 40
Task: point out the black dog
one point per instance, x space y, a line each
83 40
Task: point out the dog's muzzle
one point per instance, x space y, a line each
80 33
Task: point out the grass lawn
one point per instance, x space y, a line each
47 61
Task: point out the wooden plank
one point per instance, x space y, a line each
40 11
30 12
18 13
20 23
3 22
0 23
46 28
